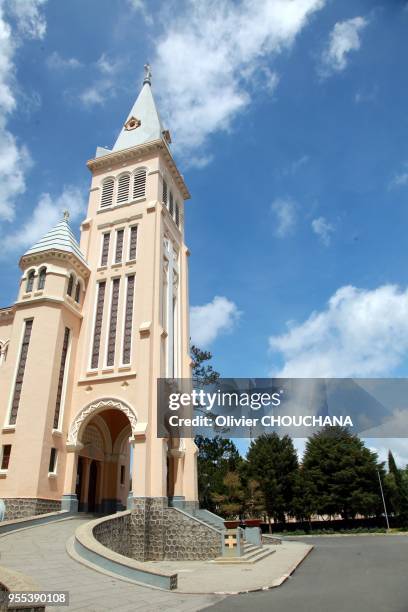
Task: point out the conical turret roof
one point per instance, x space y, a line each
60 238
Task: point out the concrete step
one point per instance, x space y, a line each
253 556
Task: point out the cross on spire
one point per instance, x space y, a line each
66 215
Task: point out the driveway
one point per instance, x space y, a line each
342 574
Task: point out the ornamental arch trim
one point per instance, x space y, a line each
83 417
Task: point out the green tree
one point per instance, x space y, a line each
203 373
340 475
230 503
399 489
273 463
216 458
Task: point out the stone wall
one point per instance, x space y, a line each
154 532
24 507
115 534
187 539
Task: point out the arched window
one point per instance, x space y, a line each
107 192
41 278
123 188
70 285
30 281
78 292
139 183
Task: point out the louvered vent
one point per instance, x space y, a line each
139 184
123 188
164 193
177 215
171 204
107 193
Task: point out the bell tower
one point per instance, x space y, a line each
135 312
94 326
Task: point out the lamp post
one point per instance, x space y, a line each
383 500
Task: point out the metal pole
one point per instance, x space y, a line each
383 499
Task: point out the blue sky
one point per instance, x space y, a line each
290 124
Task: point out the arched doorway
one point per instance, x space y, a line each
103 472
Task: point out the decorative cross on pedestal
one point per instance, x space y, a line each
231 541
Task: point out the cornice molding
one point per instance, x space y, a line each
44 256
127 155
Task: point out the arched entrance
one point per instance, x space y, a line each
103 467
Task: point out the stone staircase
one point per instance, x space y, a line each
252 554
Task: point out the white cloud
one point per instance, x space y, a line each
212 55
344 38
30 21
323 229
139 6
401 178
212 319
45 215
56 62
14 157
360 333
104 87
285 213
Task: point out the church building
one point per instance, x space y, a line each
93 327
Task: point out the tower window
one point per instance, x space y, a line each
30 281
41 278
5 456
113 323
127 332
107 192
18 385
133 242
119 245
70 285
78 292
177 214
61 378
105 249
164 193
171 204
123 188
98 324
52 468
139 184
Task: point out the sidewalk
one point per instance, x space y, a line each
204 577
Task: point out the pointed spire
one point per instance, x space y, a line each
143 123
59 238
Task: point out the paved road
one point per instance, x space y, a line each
40 552
343 574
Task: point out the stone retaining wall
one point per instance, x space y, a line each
187 539
17 507
115 534
154 532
